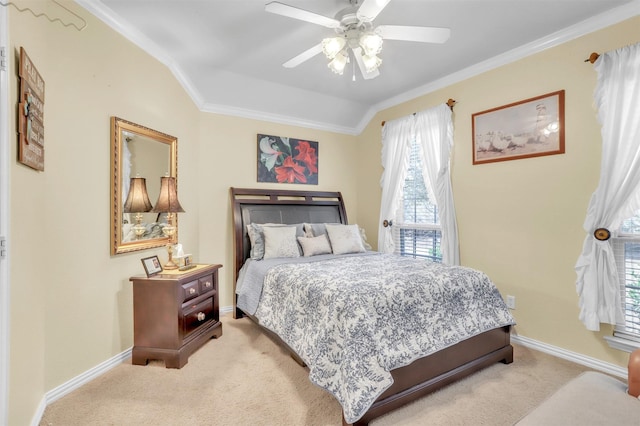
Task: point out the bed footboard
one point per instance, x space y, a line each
437 370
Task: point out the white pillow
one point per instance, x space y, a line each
345 239
313 246
315 229
256 237
280 242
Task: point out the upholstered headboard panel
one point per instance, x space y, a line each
279 206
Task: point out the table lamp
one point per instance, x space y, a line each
137 202
168 203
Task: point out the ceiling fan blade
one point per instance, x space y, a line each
357 53
301 14
407 33
370 9
304 56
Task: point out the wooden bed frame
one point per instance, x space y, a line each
411 382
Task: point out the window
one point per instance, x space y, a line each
627 253
417 233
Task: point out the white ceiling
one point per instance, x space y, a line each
228 54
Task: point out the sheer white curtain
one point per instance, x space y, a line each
396 140
617 196
434 132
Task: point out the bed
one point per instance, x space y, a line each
415 376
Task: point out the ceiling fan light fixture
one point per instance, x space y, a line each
332 46
371 43
356 37
338 64
371 62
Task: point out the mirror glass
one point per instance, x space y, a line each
137 151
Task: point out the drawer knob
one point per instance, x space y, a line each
201 316
207 284
192 290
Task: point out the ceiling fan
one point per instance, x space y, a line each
356 36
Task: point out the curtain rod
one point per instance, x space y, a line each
593 57
450 102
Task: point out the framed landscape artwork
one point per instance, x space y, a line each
287 160
530 128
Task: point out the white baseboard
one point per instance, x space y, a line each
576 357
75 383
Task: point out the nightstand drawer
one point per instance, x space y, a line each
190 290
206 284
196 315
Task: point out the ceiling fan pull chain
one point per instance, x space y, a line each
353 68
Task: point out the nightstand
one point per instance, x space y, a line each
174 313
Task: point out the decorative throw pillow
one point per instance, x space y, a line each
315 229
312 246
257 242
256 236
345 239
280 242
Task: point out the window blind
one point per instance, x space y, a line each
417 233
627 254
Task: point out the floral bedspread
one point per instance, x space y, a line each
354 319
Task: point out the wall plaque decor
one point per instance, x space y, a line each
31 114
530 128
287 160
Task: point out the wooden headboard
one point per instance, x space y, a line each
278 206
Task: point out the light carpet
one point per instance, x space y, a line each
245 378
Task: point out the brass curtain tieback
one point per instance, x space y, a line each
602 234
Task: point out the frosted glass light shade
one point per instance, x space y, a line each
338 63
371 62
371 43
332 46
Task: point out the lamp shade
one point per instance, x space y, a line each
137 199
168 198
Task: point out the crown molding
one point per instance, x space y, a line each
587 26
107 16
277 118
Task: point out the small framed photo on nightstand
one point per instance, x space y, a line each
152 265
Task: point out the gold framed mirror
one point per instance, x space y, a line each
139 152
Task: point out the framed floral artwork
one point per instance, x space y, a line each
287 160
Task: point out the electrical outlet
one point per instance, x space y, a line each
511 302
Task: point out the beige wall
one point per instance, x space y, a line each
71 306
227 158
521 221
71 301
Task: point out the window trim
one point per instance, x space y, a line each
621 339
